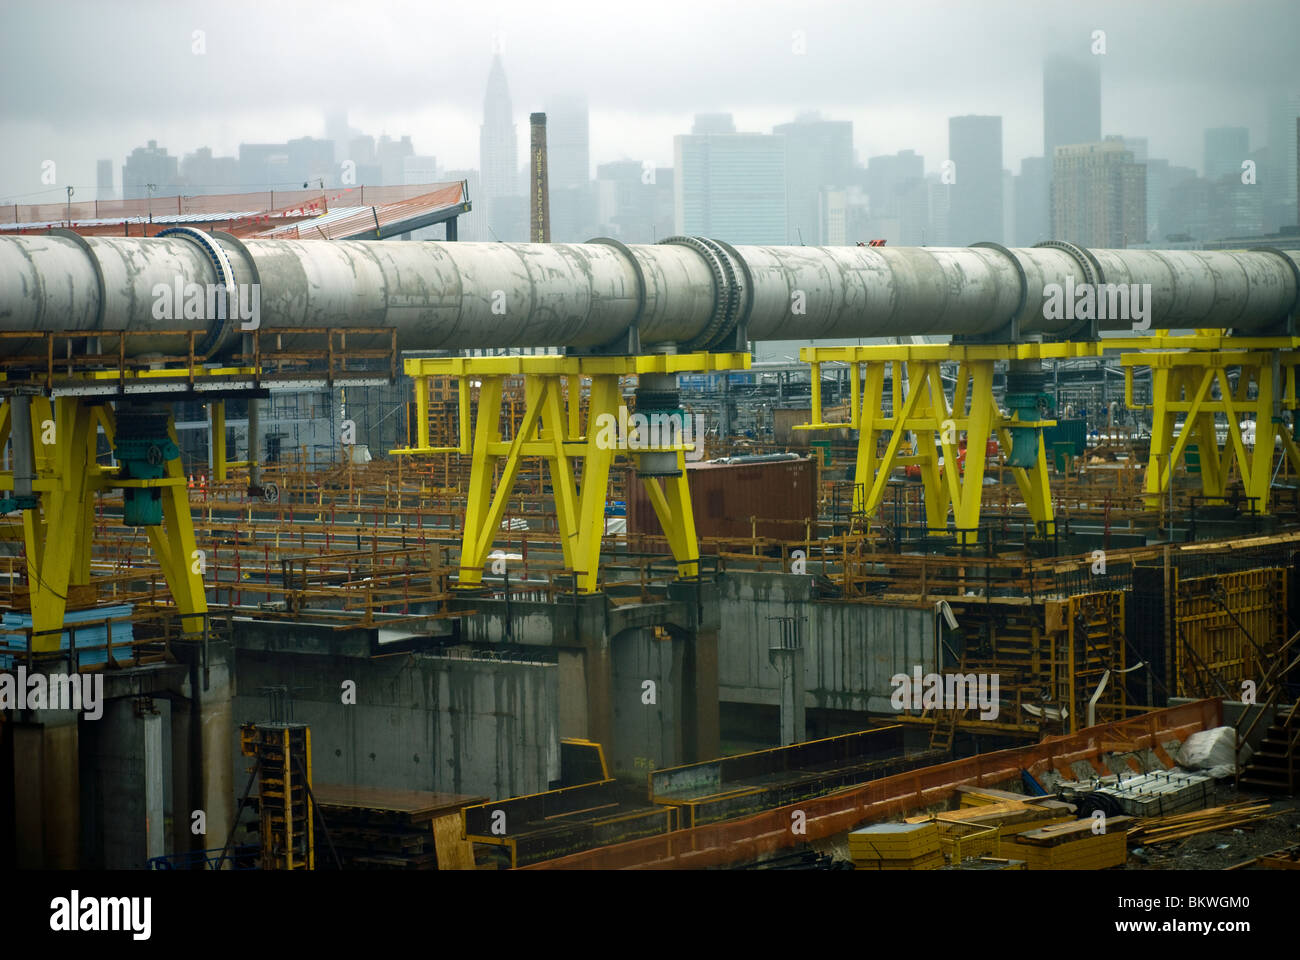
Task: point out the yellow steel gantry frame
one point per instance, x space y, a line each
58 533
551 428
938 424
1189 377
1193 383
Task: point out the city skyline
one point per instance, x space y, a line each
901 105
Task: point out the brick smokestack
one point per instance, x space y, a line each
539 201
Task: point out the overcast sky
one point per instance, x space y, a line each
85 80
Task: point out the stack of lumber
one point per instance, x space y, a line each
1011 816
375 828
1072 846
1154 830
896 846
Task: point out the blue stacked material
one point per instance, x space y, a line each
91 628
616 508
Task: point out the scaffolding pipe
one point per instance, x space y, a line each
684 292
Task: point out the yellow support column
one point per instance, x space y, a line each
63 558
597 460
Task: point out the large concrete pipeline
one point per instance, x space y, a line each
693 293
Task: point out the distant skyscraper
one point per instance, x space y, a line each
203 173
1138 146
146 165
419 169
311 160
104 180
1280 179
1071 102
1226 148
896 189
1032 203
499 158
975 148
818 155
265 166
1099 195
569 160
391 156
626 201
731 186
938 233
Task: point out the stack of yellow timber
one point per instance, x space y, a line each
1073 846
896 846
983 796
1011 816
1152 830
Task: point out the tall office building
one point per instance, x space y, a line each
499 159
1032 201
731 186
975 148
203 173
104 180
896 190
391 155
1281 177
1225 149
146 165
419 169
312 160
818 157
1099 195
1071 102
568 158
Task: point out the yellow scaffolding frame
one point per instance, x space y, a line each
551 429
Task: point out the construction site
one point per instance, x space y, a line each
326 548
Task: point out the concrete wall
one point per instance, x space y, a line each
419 722
647 736
852 649
126 755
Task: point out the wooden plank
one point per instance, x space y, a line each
454 851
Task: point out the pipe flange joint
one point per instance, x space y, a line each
1092 275
220 261
722 275
742 299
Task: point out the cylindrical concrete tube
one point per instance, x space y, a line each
454 296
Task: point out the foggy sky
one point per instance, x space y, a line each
81 81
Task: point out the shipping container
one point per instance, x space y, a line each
780 494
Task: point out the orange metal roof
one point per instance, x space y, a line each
286 214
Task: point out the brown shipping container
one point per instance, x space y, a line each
782 494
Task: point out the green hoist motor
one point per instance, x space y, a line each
1027 400
143 447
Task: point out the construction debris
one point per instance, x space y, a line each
1154 830
1156 794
